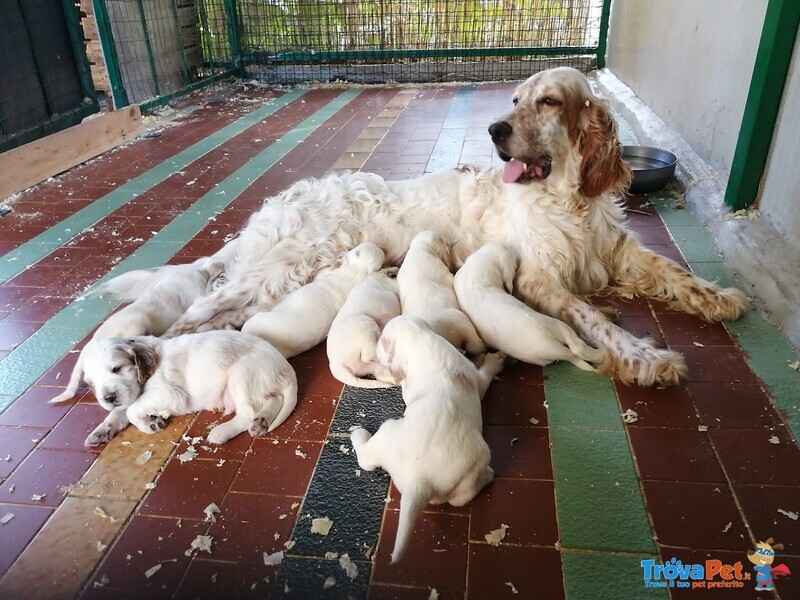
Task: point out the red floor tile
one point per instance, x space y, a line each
38 310
761 505
13 297
13 334
394 504
716 364
19 531
519 451
436 555
526 506
533 572
276 468
379 591
656 407
183 490
314 378
749 457
687 330
45 472
310 420
514 405
234 449
642 327
75 427
15 445
734 405
212 580
675 455
248 525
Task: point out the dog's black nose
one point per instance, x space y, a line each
111 398
500 131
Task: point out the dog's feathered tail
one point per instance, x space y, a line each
414 499
131 285
72 386
289 402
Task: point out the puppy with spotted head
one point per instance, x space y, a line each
144 380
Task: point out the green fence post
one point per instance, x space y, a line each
79 50
763 102
233 34
605 17
149 46
110 57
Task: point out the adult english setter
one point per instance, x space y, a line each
554 204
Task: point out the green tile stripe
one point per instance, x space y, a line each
598 497
20 258
606 576
448 145
768 352
32 358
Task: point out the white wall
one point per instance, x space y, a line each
691 62
780 197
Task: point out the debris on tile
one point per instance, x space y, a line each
283 516
514 590
496 535
144 457
286 588
702 428
350 568
558 545
104 515
514 440
300 453
331 555
7 458
276 535
321 525
329 582
125 443
104 581
630 416
698 344
38 497
221 462
152 571
533 421
774 440
6 518
190 454
11 488
150 486
787 513
273 559
358 472
794 365
728 527
289 544
295 505
200 543
545 404
434 595
101 547
210 511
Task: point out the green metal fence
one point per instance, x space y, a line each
157 49
45 85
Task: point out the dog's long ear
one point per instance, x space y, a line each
390 360
602 167
145 358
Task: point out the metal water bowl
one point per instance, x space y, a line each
652 167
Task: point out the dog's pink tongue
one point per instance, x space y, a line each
513 170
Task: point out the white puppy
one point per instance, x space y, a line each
144 380
159 297
483 286
435 452
354 334
426 291
302 319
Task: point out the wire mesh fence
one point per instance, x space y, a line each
289 41
44 82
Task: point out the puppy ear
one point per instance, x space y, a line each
145 359
602 167
386 351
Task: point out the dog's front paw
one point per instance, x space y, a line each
645 365
101 435
359 435
156 423
218 435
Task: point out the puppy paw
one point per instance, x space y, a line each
359 435
156 423
259 427
217 436
100 436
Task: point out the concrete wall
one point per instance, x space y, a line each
691 62
780 197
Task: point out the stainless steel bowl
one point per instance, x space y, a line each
652 167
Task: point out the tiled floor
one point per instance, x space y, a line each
709 468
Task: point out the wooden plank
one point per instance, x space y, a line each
34 162
94 50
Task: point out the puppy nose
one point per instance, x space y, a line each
500 131
111 398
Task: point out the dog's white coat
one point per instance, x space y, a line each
483 287
435 452
145 380
303 318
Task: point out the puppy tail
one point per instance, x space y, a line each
346 376
72 386
129 286
413 500
289 402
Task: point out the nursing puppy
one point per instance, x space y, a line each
303 318
160 296
483 287
144 380
435 453
354 334
426 291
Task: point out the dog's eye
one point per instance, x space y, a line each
515 101
548 101
116 369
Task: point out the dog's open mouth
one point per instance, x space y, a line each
517 171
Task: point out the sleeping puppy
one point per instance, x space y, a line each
159 297
483 286
426 291
354 334
302 319
435 453
144 380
